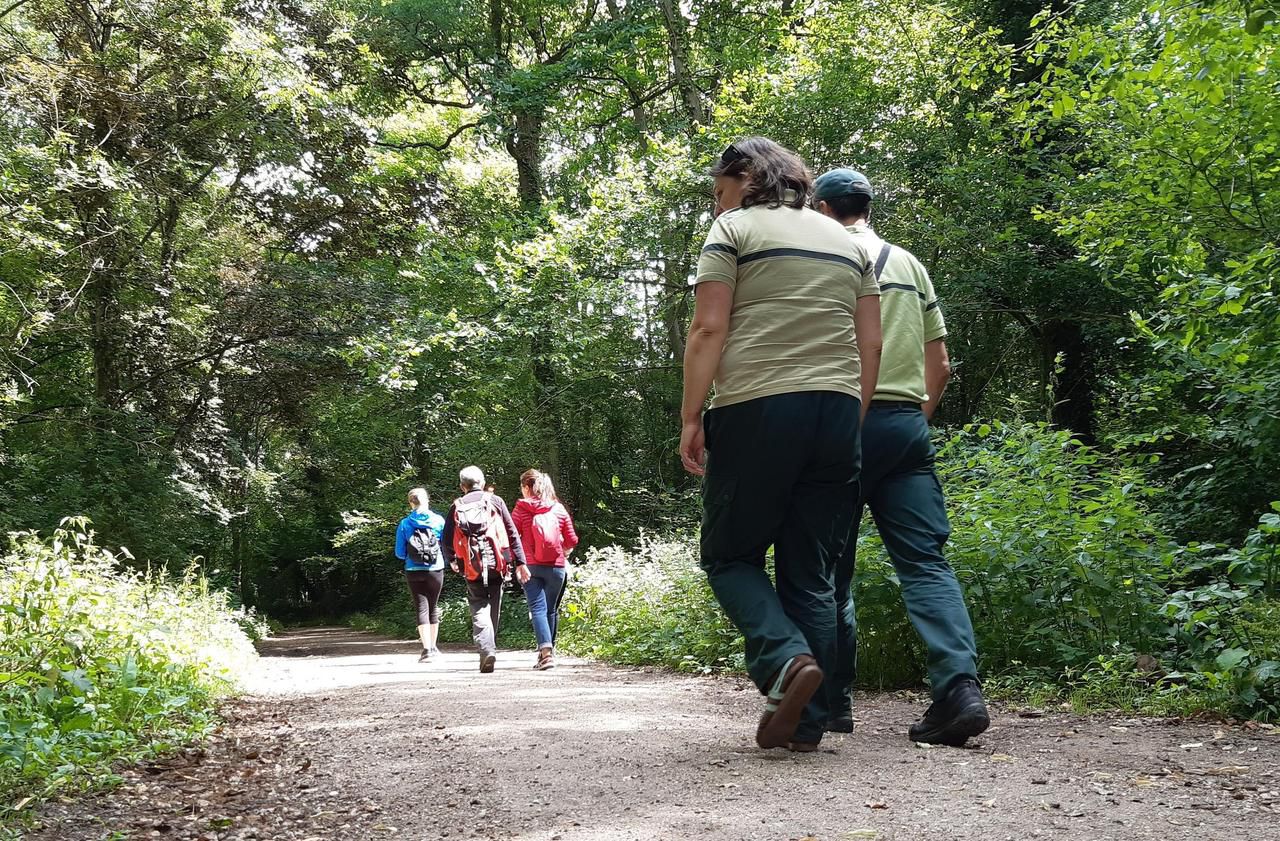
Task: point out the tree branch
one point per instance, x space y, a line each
12 7
427 144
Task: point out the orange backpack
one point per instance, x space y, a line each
480 539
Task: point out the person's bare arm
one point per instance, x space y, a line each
866 320
702 352
937 373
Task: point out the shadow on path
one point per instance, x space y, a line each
332 642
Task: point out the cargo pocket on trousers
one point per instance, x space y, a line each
717 518
942 526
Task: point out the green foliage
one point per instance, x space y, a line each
1170 191
1055 545
649 606
99 664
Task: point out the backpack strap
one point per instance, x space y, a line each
882 259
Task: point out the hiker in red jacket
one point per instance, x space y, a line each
546 532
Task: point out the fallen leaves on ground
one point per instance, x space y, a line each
198 794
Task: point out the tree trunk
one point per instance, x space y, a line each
421 457
524 144
677 28
1066 351
546 403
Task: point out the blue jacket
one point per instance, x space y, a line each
430 520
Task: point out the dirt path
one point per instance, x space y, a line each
347 737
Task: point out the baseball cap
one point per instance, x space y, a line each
841 182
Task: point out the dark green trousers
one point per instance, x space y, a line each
782 471
901 488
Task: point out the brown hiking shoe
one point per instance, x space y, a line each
546 660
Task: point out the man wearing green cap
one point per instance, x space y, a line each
900 485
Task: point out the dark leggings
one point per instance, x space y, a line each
425 586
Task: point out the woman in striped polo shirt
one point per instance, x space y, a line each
787 329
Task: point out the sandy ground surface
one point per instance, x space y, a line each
346 737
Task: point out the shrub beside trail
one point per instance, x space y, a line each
99 663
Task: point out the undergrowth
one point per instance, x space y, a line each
100 664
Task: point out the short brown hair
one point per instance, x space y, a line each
770 171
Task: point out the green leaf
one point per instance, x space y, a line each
1257 20
1231 658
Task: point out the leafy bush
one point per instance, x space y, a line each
1071 582
97 663
1059 557
652 605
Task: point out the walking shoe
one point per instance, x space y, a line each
545 660
790 691
486 663
425 656
841 722
958 716
435 652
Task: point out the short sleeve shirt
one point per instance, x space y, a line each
910 317
796 277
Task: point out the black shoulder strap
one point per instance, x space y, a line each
882 259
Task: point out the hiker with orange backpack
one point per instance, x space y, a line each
546 530
480 542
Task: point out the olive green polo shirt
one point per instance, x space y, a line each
796 278
909 318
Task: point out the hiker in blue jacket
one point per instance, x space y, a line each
418 545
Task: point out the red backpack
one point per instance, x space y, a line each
480 539
547 540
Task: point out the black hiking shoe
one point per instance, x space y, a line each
954 719
486 663
425 656
841 722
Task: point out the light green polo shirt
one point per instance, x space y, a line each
796 278
909 317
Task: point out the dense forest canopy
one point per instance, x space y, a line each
264 265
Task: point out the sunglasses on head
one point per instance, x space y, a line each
731 154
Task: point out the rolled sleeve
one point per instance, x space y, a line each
935 326
719 259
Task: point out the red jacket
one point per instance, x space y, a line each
523 514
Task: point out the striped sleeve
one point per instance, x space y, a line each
719 260
935 326
866 281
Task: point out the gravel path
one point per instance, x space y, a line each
347 737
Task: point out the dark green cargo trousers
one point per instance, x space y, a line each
782 471
901 488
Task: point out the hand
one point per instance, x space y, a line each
454 566
522 573
693 454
